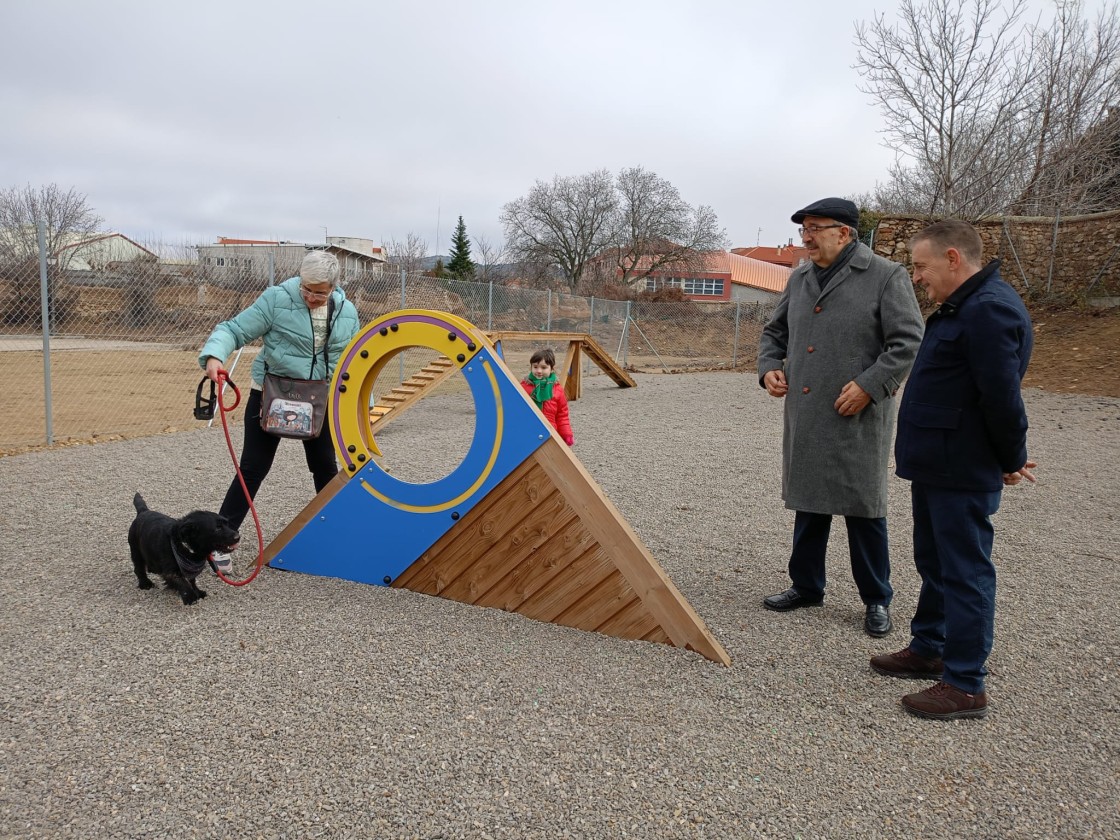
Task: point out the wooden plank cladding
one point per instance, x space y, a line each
545 543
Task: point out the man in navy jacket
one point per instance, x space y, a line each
962 437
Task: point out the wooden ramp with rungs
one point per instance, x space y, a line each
395 402
568 370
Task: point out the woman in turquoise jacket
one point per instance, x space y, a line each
291 319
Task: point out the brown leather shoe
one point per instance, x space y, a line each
946 702
907 665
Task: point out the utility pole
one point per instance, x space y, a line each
758 238
439 210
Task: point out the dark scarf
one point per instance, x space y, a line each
542 388
188 566
825 275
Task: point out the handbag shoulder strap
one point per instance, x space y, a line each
326 341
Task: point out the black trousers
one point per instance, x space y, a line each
258 454
867 544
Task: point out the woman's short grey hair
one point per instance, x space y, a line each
319 267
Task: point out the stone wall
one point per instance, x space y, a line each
1086 248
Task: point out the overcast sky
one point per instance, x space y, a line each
183 121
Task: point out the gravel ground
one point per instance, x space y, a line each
309 707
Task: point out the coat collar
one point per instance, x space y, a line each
860 261
965 289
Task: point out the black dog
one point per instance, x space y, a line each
176 549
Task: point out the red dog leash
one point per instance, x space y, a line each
223 376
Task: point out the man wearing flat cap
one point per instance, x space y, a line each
841 340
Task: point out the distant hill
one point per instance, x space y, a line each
497 270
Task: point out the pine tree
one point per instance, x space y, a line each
460 266
437 270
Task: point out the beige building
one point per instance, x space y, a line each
358 258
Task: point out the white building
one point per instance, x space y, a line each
278 260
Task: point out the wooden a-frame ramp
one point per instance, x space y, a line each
520 525
392 404
569 371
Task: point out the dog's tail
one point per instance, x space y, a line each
139 503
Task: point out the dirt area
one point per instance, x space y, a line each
1076 352
153 391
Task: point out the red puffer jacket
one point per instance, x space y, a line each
555 410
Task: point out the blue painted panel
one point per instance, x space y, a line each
358 536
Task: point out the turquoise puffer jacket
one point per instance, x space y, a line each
282 319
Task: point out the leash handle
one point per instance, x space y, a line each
223 376
203 406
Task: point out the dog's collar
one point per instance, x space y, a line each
188 567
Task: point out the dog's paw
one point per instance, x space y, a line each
201 592
145 584
189 598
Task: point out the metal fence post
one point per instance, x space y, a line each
402 288
735 348
490 307
272 268
626 335
548 323
591 317
45 312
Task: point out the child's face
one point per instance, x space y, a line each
542 370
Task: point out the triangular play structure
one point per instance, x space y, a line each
519 524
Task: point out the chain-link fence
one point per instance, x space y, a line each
108 351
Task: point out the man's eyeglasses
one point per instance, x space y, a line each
311 293
801 231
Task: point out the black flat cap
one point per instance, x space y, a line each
837 209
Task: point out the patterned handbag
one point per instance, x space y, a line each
296 408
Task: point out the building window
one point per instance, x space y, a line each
703 286
694 286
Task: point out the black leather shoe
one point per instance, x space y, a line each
791 599
878 620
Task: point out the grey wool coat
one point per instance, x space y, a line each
865 326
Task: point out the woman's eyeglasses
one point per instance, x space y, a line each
311 293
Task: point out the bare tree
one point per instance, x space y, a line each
490 257
951 84
409 254
988 115
565 223
634 224
66 215
1076 99
655 229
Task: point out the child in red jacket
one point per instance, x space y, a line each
543 389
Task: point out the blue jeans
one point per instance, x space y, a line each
955 617
867 544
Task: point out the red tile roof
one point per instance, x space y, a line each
742 271
788 255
